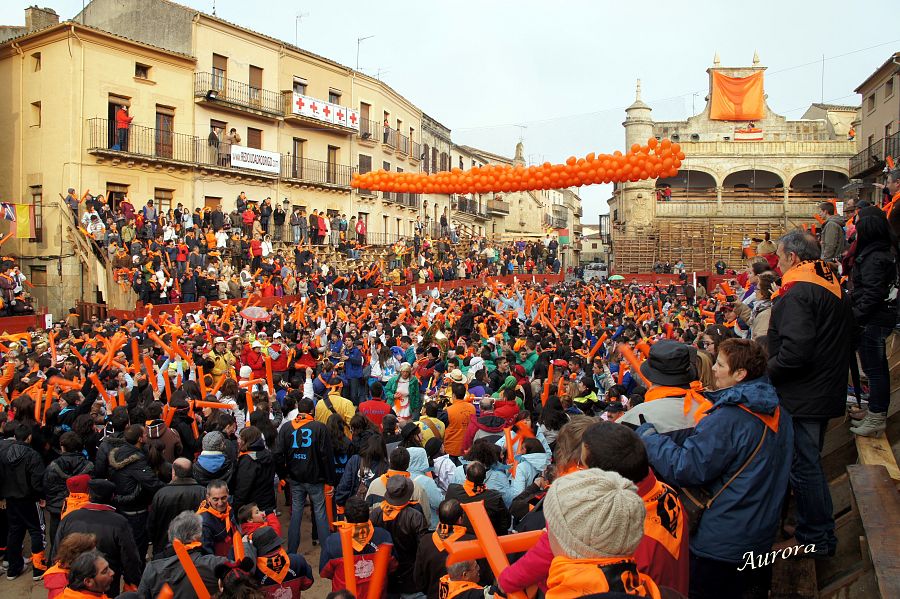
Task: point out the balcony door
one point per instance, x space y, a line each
165 127
297 161
256 75
219 73
332 164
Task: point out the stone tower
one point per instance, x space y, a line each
638 198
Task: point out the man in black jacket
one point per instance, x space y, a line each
406 524
811 340
135 483
182 494
118 421
304 456
474 490
114 538
71 463
22 472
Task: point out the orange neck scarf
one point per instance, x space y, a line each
770 420
811 271
691 396
362 533
384 477
576 577
446 533
226 515
472 489
389 512
276 566
73 502
300 420
451 588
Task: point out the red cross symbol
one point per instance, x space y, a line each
300 104
313 107
326 111
340 115
353 118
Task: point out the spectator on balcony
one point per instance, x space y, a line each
335 224
217 218
72 202
150 215
265 214
314 227
351 229
278 217
232 139
322 224
299 226
361 231
387 129
123 122
212 141
247 219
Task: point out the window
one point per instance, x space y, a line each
386 194
434 160
256 74
888 129
37 200
141 71
889 88
37 61
426 155
334 96
300 85
38 275
254 138
115 192
162 198
35 114
365 111
165 130
211 201
331 175
219 72
593 246
870 102
461 167
365 164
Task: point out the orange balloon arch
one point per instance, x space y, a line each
651 161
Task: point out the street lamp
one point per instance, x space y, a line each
360 40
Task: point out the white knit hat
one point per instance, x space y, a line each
593 513
246 372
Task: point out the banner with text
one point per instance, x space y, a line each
325 111
258 160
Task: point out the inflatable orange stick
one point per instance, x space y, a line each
346 533
376 583
190 570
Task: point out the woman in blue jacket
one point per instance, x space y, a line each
738 529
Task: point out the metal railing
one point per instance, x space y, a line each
402 144
469 206
216 88
874 156
370 130
381 239
189 149
557 222
316 171
415 150
389 137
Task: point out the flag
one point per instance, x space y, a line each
563 236
9 211
340 116
328 111
23 224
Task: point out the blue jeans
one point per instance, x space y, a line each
122 139
873 357
299 491
815 513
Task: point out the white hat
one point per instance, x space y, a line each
255 344
594 513
218 340
456 376
277 335
246 372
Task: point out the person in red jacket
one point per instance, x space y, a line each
488 424
252 357
280 360
123 122
255 254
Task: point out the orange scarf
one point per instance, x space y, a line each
576 577
451 588
446 534
472 489
226 515
811 271
361 533
301 420
72 594
691 397
276 566
73 502
389 512
665 521
384 477
770 420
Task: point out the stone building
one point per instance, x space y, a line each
741 177
189 81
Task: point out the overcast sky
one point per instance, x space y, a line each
565 70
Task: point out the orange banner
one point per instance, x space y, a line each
736 98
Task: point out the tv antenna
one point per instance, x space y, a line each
297 27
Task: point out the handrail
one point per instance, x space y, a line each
236 93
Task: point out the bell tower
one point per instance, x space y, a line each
638 199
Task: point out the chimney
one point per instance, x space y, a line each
39 18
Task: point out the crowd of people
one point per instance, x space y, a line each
157 454
178 255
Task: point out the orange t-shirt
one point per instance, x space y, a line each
458 414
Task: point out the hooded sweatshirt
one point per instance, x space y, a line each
421 475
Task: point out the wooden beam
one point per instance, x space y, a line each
874 451
875 493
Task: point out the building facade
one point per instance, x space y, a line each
739 178
878 127
217 109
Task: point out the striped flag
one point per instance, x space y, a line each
22 217
9 212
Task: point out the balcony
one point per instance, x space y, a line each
872 160
214 90
415 152
402 144
498 207
369 132
468 206
407 200
165 148
799 208
388 138
313 113
557 222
